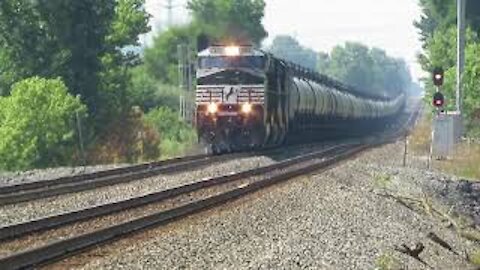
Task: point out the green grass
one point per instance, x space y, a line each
387 262
382 181
475 257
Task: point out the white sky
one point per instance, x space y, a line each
322 24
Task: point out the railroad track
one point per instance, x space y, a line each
53 187
57 237
163 207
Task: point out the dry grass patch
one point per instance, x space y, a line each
421 137
465 162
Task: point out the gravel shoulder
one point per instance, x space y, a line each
338 219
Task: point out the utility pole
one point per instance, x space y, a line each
185 78
461 5
169 7
80 139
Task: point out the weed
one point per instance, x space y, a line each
387 262
475 257
382 181
421 137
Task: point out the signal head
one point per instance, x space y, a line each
438 100
438 76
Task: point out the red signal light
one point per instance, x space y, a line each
438 99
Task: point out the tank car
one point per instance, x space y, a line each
246 98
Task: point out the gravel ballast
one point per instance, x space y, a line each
331 220
10 178
22 212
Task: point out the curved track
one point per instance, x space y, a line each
170 205
47 188
228 187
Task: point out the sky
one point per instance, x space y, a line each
322 24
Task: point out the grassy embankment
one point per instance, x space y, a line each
464 163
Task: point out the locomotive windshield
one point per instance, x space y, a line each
255 62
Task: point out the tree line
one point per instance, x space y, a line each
369 70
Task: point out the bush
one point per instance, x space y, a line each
176 135
37 127
147 93
126 139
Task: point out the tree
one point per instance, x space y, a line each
289 48
369 70
148 94
230 20
352 64
323 62
54 38
175 134
440 15
79 41
37 127
129 22
161 59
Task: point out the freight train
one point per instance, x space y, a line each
247 98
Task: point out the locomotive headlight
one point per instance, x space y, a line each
212 108
246 108
232 51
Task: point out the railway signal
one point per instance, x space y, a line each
438 75
438 100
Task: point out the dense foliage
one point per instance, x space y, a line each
37 124
177 136
368 69
87 45
290 49
439 15
161 58
230 20
439 37
79 41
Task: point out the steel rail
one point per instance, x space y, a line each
66 247
48 188
51 222
88 176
